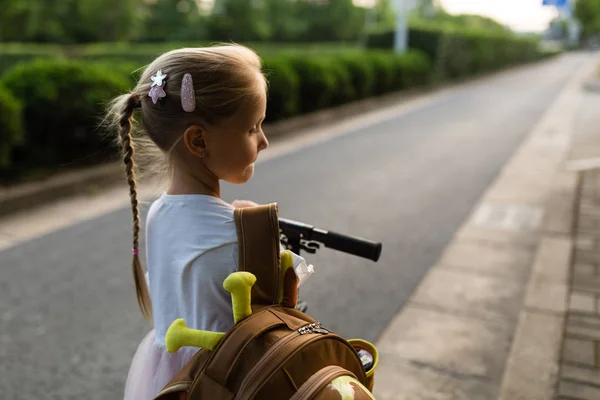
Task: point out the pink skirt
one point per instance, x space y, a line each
153 367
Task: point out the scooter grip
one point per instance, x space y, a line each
353 245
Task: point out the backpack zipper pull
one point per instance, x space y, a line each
313 328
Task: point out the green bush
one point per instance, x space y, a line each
11 129
454 56
362 73
12 54
283 100
344 91
63 102
459 53
423 38
385 70
380 39
129 70
411 70
317 82
426 40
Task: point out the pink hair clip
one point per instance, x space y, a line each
188 96
135 252
157 91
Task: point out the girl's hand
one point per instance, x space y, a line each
243 204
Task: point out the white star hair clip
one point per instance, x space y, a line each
158 78
157 91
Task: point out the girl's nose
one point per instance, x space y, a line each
264 143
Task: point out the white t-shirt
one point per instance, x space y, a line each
192 247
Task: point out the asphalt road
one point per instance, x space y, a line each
68 315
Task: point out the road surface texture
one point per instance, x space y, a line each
69 317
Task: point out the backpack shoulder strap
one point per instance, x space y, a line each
259 250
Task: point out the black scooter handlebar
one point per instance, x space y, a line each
333 240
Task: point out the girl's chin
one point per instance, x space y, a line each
245 176
249 173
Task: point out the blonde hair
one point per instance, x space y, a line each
225 77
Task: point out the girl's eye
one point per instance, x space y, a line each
253 130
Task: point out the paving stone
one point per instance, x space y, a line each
585 242
581 301
590 285
587 256
583 326
579 351
578 390
573 372
584 270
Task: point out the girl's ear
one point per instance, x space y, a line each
194 139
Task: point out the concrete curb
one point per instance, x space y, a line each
17 198
533 365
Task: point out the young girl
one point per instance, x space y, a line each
203 109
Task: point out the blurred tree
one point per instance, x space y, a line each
102 21
442 18
285 26
31 20
588 14
426 8
240 20
385 14
331 20
69 21
166 20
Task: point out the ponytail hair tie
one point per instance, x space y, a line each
135 252
136 100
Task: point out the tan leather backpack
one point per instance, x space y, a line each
274 351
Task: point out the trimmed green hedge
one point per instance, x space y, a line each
283 96
362 73
12 54
63 103
11 128
459 53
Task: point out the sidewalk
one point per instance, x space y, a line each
580 367
487 321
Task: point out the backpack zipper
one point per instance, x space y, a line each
266 358
318 379
313 328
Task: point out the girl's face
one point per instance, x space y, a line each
233 146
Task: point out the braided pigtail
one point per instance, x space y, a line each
122 111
